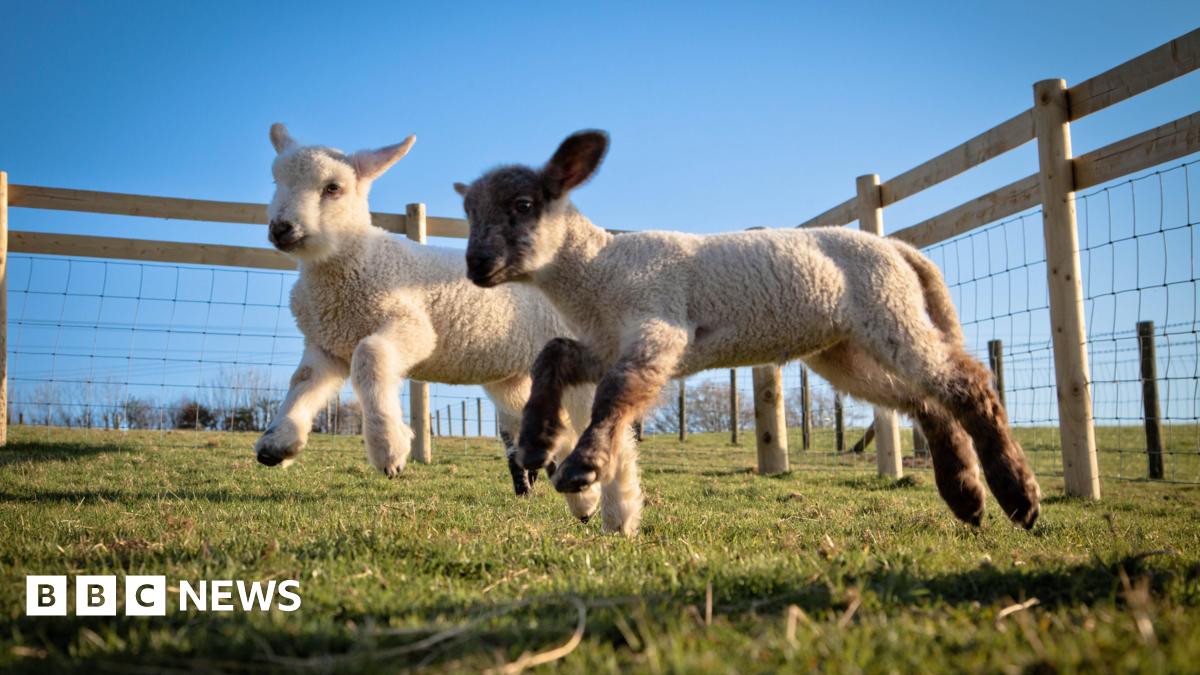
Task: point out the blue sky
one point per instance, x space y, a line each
722 116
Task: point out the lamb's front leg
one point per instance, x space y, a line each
648 360
378 365
318 377
562 363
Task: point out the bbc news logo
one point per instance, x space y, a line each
146 595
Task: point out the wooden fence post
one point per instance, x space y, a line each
1154 449
733 406
887 426
770 421
479 417
1056 178
805 411
418 392
3 308
464 417
682 411
438 421
996 362
449 419
639 427
839 423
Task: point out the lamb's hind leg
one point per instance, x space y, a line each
898 336
508 396
964 387
854 371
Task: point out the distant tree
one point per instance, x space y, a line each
707 408
111 404
45 404
139 413
241 399
241 419
188 413
339 417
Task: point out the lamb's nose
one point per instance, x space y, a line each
478 262
280 228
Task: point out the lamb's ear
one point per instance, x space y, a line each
575 161
280 138
461 189
370 164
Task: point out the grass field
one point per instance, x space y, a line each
444 569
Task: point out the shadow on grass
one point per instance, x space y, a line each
41 451
125 496
481 634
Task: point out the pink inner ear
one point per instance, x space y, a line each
369 164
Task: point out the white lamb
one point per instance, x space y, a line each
380 309
869 314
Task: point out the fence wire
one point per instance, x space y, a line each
1140 259
180 350
112 346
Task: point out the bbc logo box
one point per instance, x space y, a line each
95 595
146 595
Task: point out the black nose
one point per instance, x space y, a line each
478 262
280 229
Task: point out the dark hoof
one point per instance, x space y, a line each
1028 518
522 486
268 459
530 460
967 506
572 477
535 442
584 519
270 452
1021 506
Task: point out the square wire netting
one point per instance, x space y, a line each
168 354
1140 259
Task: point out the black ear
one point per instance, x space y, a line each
575 161
461 189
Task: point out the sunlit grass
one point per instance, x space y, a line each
881 576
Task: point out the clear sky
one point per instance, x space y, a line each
723 116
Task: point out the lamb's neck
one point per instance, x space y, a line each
347 260
582 242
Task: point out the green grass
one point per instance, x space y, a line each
883 577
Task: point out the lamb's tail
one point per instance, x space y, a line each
938 304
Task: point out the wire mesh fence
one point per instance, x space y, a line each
1139 255
109 346
180 350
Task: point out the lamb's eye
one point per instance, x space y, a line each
331 189
523 205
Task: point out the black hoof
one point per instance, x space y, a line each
267 458
1030 517
573 478
520 479
534 444
584 519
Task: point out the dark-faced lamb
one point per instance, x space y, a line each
871 315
